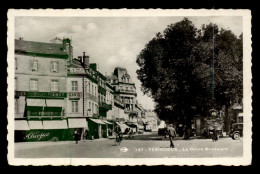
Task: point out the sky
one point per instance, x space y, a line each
111 41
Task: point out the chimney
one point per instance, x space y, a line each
85 60
80 58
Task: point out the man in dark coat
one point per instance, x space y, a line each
76 136
118 132
172 134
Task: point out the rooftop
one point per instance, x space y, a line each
39 47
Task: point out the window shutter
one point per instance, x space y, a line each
57 67
51 66
31 65
36 65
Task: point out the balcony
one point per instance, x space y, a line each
104 106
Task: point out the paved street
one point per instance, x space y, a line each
138 147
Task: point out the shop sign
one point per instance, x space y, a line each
46 94
43 113
37 136
41 94
74 94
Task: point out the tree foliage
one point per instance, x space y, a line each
176 70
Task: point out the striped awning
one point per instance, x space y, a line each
78 123
21 125
35 124
107 122
98 121
55 124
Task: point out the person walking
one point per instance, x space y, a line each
76 136
172 134
86 134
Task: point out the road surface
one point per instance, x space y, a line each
131 148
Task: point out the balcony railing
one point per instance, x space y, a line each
104 105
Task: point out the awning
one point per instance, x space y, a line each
35 102
122 126
21 125
107 122
78 123
97 121
35 124
55 102
55 124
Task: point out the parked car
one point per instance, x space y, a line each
237 131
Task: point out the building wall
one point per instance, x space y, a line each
44 66
75 96
91 98
43 74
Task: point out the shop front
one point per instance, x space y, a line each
97 128
109 128
78 124
20 129
42 130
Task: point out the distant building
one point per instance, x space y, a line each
125 91
151 121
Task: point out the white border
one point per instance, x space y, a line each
247 84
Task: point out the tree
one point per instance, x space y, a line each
176 69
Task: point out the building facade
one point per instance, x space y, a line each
125 91
41 90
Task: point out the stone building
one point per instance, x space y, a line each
125 91
41 90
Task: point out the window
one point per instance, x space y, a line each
54 67
74 106
89 106
34 65
33 85
54 85
93 90
74 85
16 106
16 64
89 87
93 107
127 80
16 83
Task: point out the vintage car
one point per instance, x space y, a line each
237 131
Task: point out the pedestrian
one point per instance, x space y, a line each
172 134
215 133
86 134
76 136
